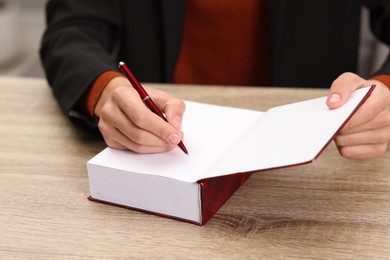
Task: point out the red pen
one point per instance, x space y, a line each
145 96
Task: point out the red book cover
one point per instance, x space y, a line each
216 191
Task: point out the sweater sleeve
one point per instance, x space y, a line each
385 79
91 97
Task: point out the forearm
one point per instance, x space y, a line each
76 47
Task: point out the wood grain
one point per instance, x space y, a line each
333 208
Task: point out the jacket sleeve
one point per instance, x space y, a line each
77 47
380 26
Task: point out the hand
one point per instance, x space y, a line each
126 123
367 134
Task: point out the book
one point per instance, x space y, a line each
226 145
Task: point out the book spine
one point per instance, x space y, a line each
217 190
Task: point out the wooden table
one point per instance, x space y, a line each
332 208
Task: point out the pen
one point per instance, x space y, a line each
145 96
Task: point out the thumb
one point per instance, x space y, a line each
342 87
172 107
174 111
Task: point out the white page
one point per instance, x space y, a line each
209 131
287 135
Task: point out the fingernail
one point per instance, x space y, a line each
334 98
173 139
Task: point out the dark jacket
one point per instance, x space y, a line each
312 42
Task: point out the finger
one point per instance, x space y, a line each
139 148
376 110
361 123
108 132
376 136
115 117
363 151
172 107
116 139
174 111
341 87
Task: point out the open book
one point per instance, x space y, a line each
225 146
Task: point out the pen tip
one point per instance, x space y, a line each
120 63
183 148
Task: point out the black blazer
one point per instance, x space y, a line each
312 42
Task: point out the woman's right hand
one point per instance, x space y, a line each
127 123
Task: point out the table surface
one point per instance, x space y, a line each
332 208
